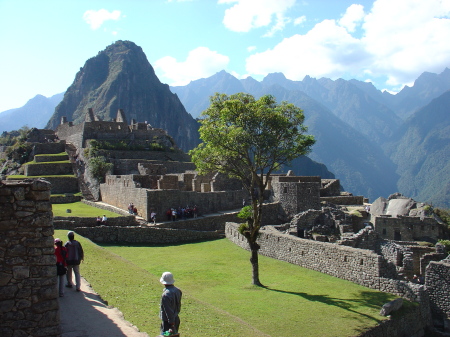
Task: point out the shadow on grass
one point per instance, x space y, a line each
368 299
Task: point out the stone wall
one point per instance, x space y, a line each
359 266
145 235
28 292
119 192
44 169
296 197
49 148
71 223
61 185
344 200
407 228
437 282
46 158
131 165
330 187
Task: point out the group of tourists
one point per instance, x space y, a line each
132 209
102 220
68 259
173 214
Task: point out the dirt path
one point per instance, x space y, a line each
83 314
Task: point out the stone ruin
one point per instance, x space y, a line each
309 207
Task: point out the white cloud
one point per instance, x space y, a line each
353 16
200 63
326 50
96 18
299 20
251 48
397 40
248 14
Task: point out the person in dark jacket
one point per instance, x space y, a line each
74 257
170 304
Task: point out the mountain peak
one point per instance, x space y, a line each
120 77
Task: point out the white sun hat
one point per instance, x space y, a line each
167 278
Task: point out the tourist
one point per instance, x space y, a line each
174 214
104 220
135 210
61 265
169 214
170 304
130 208
195 211
74 257
153 217
99 220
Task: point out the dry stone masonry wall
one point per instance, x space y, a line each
28 294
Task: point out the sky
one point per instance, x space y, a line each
386 42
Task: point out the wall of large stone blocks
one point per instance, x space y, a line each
129 164
437 282
28 292
145 235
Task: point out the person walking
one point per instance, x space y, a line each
170 304
74 257
61 270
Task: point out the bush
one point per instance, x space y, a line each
446 243
99 168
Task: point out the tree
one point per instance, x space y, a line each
249 139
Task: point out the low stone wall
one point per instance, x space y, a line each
145 235
45 158
345 200
62 185
71 223
64 199
28 292
45 169
49 148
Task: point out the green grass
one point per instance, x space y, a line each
81 210
51 154
218 298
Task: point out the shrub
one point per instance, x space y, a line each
99 168
446 243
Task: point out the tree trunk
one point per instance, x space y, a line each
255 267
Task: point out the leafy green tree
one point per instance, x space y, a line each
249 139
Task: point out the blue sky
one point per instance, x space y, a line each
388 42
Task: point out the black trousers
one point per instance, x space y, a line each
166 326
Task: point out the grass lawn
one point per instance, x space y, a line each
81 210
218 298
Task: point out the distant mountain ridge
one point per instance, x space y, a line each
352 121
27 115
